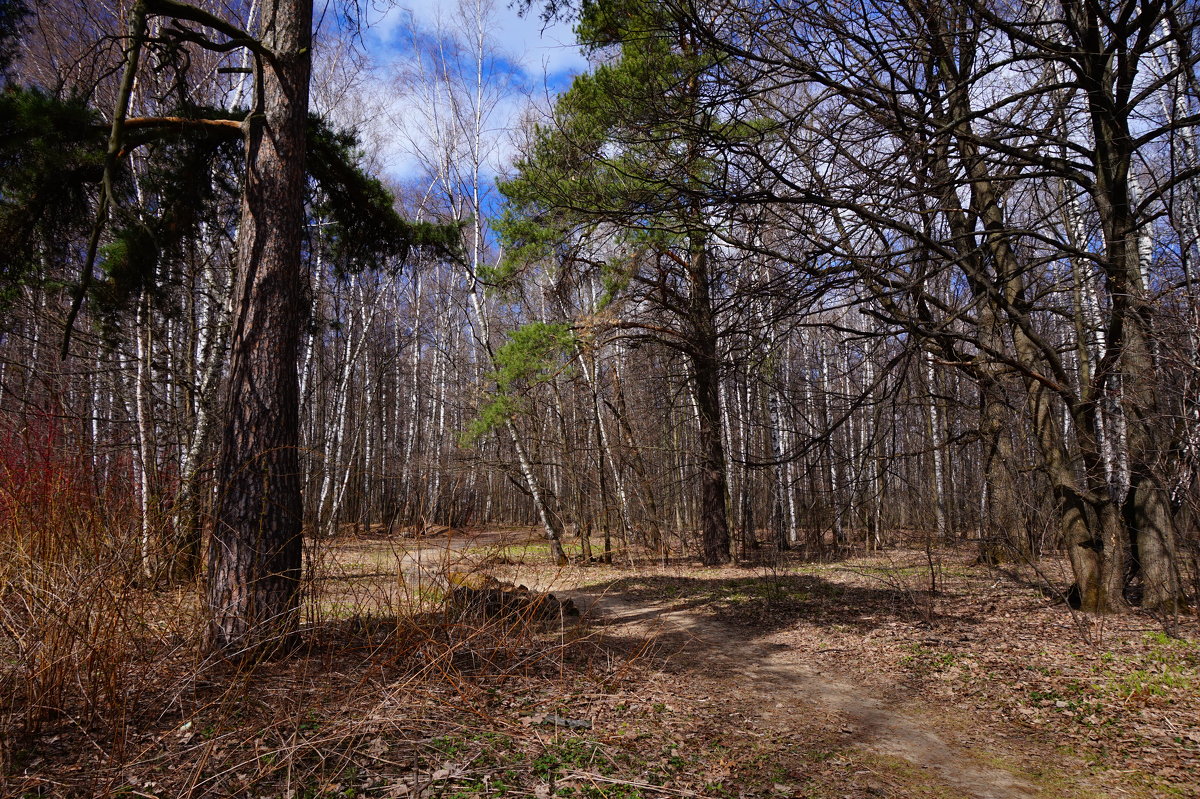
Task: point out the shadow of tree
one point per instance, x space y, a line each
726 619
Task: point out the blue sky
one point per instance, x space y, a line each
531 63
538 52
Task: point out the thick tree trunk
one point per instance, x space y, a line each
1092 533
1147 511
255 549
714 518
1096 542
714 514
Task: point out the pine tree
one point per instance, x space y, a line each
620 177
66 178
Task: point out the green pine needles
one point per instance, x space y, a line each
364 229
534 353
188 162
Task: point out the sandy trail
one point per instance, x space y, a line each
771 675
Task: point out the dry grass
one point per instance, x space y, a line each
106 690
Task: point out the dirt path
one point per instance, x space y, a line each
780 685
772 677
852 680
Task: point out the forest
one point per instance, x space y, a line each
788 399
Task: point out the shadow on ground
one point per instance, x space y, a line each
698 624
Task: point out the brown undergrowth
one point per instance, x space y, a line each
395 695
106 691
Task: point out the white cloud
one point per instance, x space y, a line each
417 115
551 51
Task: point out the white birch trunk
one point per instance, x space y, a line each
935 442
145 461
832 471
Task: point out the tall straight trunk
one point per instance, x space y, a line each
789 440
372 465
741 481
781 517
438 433
147 458
706 374
255 549
98 459
783 521
713 516
410 474
339 450
835 506
637 461
213 320
879 472
1090 347
935 444
1176 106
606 456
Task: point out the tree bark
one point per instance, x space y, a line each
1147 510
714 516
255 550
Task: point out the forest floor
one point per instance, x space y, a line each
901 673
847 681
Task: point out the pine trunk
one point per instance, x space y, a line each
255 549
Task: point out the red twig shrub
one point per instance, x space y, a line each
69 565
